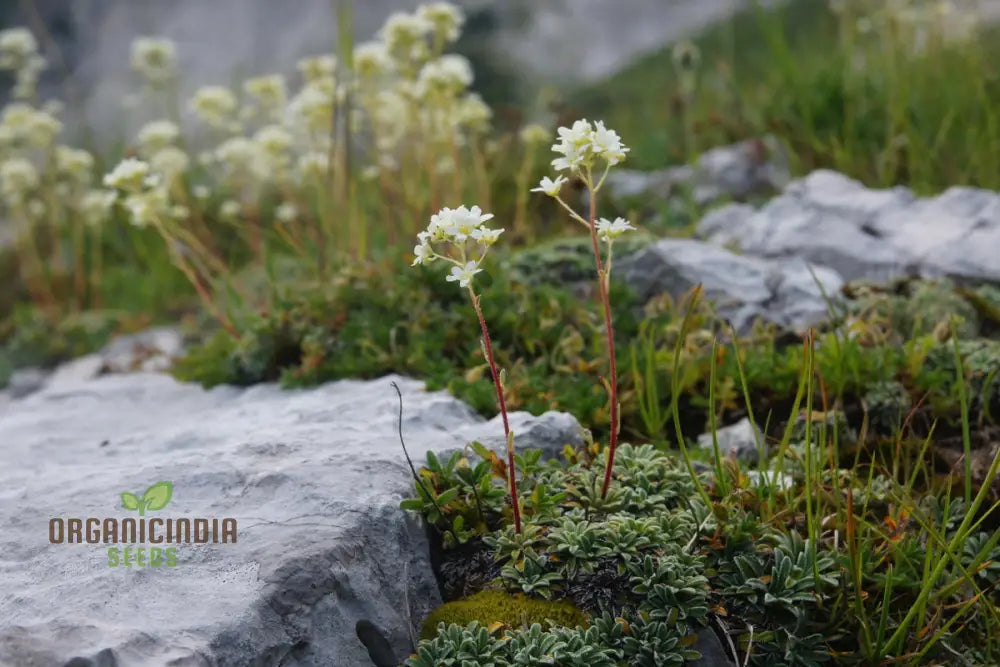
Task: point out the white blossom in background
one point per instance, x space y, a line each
242 159
371 60
446 20
405 37
170 161
444 77
313 165
19 54
311 110
157 134
29 127
215 106
17 45
129 175
147 208
269 93
74 165
95 206
154 59
535 134
286 212
18 177
230 209
316 69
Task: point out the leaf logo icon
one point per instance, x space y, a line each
156 497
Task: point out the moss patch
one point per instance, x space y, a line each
495 606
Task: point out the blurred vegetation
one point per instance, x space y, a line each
890 93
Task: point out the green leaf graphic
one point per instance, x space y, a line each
129 501
157 496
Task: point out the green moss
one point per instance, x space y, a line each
563 261
495 606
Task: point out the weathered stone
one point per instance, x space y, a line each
869 234
151 350
26 381
738 440
313 477
713 653
756 166
742 288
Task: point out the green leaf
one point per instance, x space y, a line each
413 504
129 501
447 496
158 495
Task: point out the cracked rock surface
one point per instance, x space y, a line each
313 478
869 234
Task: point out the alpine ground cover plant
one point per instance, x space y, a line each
280 210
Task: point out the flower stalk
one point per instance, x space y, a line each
508 436
582 146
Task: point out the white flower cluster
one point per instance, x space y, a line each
215 106
154 59
461 231
579 147
446 77
18 177
156 135
19 54
445 18
268 93
25 127
584 142
129 175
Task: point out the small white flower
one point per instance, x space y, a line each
486 236
550 187
446 18
170 161
154 59
609 231
214 105
229 209
607 144
200 192
129 174
157 134
268 91
463 274
17 177
95 205
317 68
457 224
535 134
445 77
16 46
423 254
286 212
371 60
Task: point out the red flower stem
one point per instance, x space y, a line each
603 285
503 412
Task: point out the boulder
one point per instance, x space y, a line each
738 440
752 167
313 479
869 234
742 288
